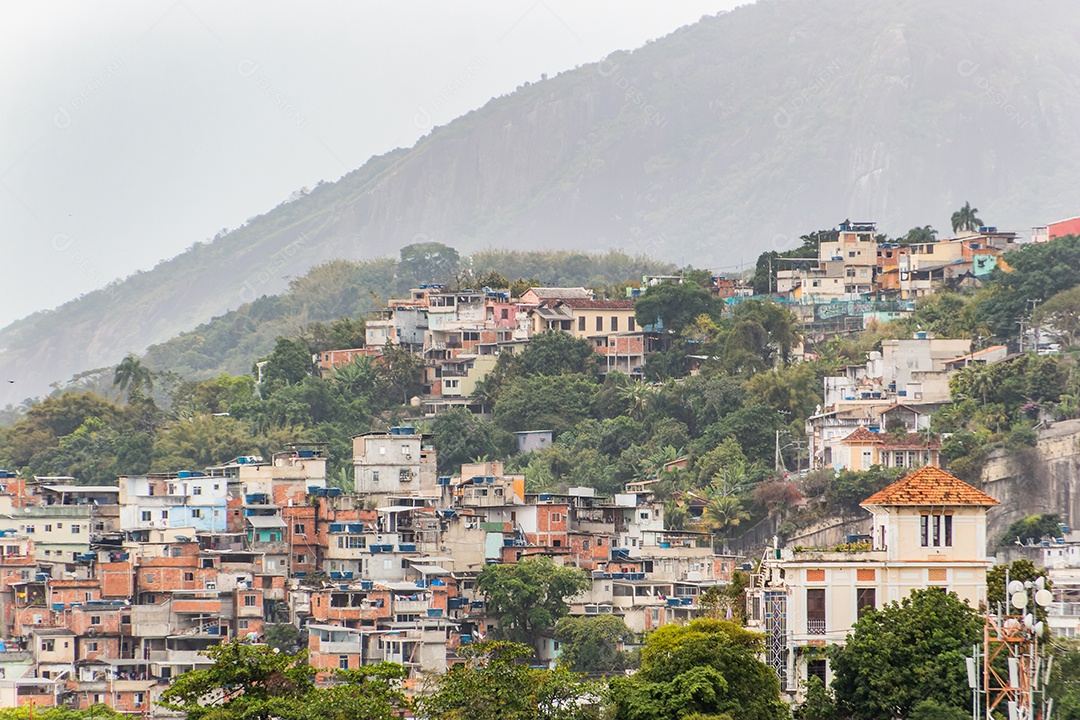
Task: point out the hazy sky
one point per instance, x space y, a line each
130 130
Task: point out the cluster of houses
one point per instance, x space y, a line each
857 264
109 592
878 412
460 334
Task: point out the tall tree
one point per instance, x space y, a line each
530 596
966 218
495 682
592 643
429 262
288 364
675 305
906 653
918 236
704 669
130 375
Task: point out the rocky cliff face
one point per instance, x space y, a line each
1044 479
709 146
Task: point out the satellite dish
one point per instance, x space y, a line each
1044 597
1040 582
1039 627
1016 586
1029 621
1019 600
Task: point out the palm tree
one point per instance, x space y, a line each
966 219
131 375
723 514
639 398
921 235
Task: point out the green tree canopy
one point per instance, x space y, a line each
591 643
675 305
557 353
707 667
495 683
1036 272
256 682
908 652
289 363
461 437
529 596
544 402
427 262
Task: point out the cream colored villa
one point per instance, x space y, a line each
929 529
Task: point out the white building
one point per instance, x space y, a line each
929 529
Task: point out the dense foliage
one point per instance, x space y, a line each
707 668
256 682
907 654
529 596
495 682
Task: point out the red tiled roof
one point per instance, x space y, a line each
587 304
930 485
862 435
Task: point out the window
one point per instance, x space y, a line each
581 323
301 559
343 662
164 514
29 528
614 323
189 576
242 624
298 528
48 645
139 698
88 596
59 526
815 611
556 517
584 544
599 323
91 646
196 512
95 619
76 529
505 314
249 601
146 515
930 530
816 668
865 598
48 528
630 324
197 490
374 476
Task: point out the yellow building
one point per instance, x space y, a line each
585 318
928 530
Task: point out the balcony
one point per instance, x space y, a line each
815 627
410 606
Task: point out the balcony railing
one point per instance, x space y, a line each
815 627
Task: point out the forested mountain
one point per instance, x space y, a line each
721 140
